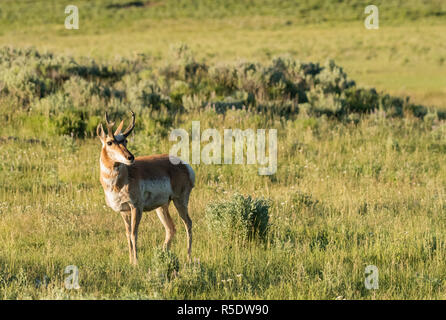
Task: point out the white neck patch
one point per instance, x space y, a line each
105 169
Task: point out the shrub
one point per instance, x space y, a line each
75 93
178 90
417 110
393 106
240 217
331 105
361 100
71 122
332 79
147 94
165 264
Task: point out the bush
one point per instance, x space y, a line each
75 94
240 217
71 122
165 264
417 110
361 100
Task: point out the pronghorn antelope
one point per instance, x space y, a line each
133 185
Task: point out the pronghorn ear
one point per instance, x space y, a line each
100 132
118 130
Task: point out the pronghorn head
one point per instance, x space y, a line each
115 144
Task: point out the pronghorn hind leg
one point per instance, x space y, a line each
136 215
126 216
181 205
166 220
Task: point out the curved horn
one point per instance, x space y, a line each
109 126
130 127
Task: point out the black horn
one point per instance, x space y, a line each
131 126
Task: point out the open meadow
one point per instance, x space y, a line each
361 147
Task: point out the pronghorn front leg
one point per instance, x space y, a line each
126 216
136 215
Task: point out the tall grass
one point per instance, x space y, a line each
346 195
360 181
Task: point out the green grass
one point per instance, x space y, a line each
405 56
376 195
114 13
346 194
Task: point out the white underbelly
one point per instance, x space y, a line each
155 193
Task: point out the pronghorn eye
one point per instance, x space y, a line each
109 143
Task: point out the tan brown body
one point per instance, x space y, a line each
132 186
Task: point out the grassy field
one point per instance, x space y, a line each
406 56
352 189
